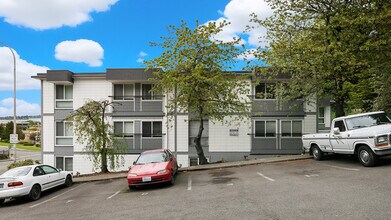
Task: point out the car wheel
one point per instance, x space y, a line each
35 193
68 181
2 201
172 181
317 153
366 156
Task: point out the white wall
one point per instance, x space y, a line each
182 135
48 159
95 89
221 141
48 133
48 97
83 165
309 124
183 160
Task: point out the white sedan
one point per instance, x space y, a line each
31 180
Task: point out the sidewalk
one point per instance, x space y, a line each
123 174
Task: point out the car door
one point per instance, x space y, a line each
173 161
339 141
54 176
40 177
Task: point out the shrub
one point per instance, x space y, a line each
37 145
20 163
3 157
28 144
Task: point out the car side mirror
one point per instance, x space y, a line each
134 162
59 170
336 131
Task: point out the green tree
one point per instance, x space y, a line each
196 64
9 129
95 133
332 48
2 131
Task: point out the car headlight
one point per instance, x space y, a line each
132 175
383 139
162 172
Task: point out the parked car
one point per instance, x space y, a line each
31 180
366 135
152 167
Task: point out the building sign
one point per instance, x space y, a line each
233 132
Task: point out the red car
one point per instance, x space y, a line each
153 166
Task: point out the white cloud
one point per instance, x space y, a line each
80 51
24 71
142 54
48 14
140 60
237 12
22 107
247 55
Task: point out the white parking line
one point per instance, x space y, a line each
230 184
311 175
343 168
189 182
56 196
268 178
69 201
116 193
144 194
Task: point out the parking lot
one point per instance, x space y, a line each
336 188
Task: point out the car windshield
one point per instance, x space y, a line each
153 157
16 172
367 121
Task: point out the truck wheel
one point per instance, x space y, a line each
2 201
317 153
366 156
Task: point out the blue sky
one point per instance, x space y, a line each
92 35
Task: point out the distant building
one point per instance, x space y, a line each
141 120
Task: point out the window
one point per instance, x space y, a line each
48 169
64 96
123 92
291 128
321 115
64 163
64 133
265 128
123 128
265 91
38 171
152 129
148 94
340 125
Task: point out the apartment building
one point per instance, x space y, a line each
139 119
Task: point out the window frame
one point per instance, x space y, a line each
152 133
123 92
291 128
154 97
265 94
66 137
123 127
265 127
63 162
56 100
321 118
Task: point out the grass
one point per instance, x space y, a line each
21 146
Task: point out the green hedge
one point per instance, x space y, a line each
20 163
3 157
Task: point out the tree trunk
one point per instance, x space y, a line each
104 168
339 108
197 141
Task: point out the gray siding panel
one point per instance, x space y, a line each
263 145
291 145
61 114
153 143
152 106
63 151
123 107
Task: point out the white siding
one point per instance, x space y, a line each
83 165
327 116
48 97
48 159
48 133
310 105
95 89
183 160
309 124
182 136
221 141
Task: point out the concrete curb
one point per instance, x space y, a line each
123 174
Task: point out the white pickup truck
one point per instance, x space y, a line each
366 135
